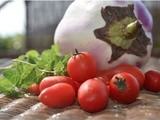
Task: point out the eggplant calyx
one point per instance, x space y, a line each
122 32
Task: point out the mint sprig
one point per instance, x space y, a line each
32 68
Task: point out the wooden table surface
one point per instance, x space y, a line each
146 107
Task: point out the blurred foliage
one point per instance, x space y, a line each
14 42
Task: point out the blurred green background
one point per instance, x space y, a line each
11 46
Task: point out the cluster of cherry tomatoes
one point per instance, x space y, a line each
93 88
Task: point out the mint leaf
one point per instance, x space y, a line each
55 49
46 60
12 75
21 57
28 75
32 68
32 56
7 88
60 65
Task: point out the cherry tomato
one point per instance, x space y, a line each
105 82
34 88
124 88
108 88
106 74
82 66
152 82
51 80
133 70
78 85
58 96
93 95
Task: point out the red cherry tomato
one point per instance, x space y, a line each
93 95
133 70
124 88
78 85
51 80
34 88
82 66
106 74
58 96
108 88
152 82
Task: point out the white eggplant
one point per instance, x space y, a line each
108 31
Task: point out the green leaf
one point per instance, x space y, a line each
33 53
60 65
26 70
32 56
32 68
15 64
28 75
58 68
21 57
7 88
12 75
55 49
44 62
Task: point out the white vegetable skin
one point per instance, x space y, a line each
76 30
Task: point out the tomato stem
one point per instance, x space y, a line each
121 84
76 51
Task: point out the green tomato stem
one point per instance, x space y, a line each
121 84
